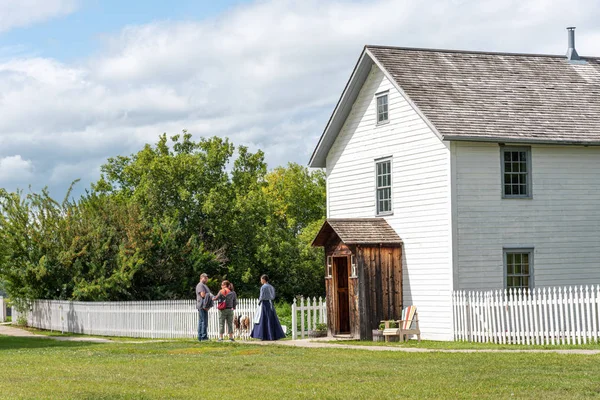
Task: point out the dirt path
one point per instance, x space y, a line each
309 343
306 343
11 331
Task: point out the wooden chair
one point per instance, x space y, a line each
408 325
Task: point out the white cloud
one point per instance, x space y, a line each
266 74
19 13
15 169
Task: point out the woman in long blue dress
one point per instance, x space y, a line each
267 327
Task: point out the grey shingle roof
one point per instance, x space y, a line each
357 231
500 97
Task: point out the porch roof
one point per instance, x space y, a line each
357 231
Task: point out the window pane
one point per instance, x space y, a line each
525 281
517 268
523 189
508 189
506 156
507 167
523 167
517 258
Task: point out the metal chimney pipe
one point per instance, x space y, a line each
571 52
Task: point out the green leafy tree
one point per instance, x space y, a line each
158 218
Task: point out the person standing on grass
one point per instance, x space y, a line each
227 303
266 323
203 303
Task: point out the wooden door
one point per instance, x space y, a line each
343 311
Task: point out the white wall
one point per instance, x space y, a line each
562 221
421 195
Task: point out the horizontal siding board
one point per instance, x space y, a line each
561 221
421 195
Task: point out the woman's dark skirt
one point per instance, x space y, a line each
269 327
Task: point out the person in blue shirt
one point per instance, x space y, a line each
266 324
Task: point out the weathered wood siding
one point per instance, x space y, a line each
354 307
332 321
561 222
421 195
380 286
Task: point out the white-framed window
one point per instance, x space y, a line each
518 267
383 180
329 266
516 172
382 107
353 268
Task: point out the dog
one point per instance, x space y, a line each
241 324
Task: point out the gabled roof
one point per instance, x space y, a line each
357 231
482 96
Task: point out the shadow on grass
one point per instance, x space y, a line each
16 343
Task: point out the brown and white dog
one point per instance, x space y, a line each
241 324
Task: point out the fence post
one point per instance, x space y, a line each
302 317
294 321
2 309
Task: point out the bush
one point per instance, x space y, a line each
393 324
284 312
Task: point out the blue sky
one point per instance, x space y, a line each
84 80
76 35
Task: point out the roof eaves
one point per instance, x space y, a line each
399 241
498 139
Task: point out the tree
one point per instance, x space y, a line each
158 218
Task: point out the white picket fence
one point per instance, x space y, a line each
311 314
3 309
143 319
549 316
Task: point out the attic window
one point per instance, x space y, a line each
382 107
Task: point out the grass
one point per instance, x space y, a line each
430 344
48 369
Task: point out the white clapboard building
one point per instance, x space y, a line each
487 166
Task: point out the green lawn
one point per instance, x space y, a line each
44 368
